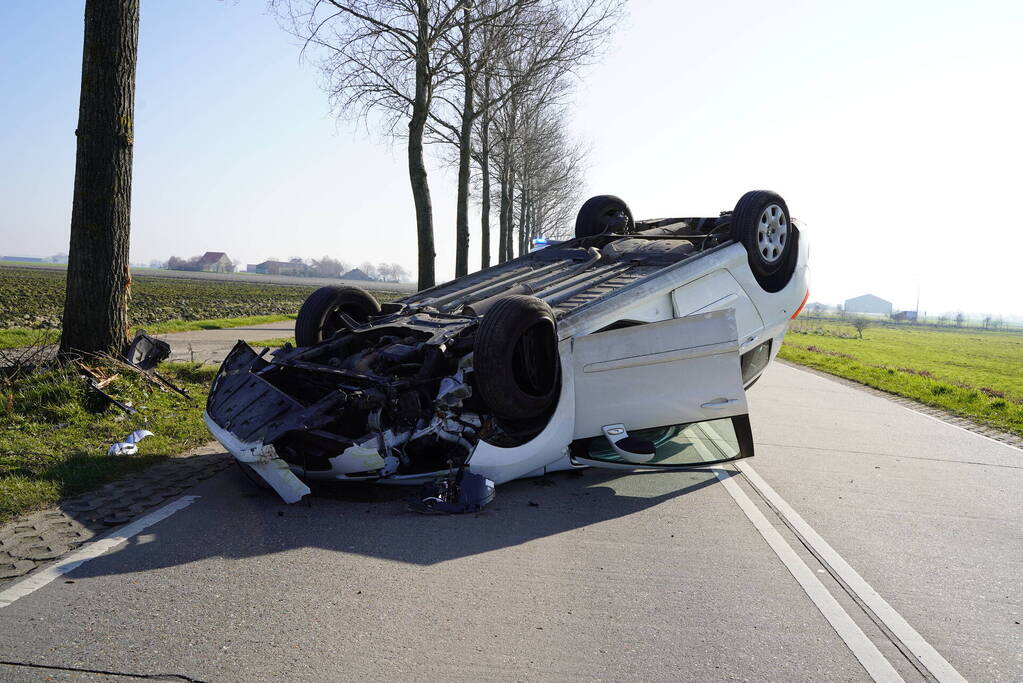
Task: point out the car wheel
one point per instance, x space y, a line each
320 315
761 222
603 213
515 358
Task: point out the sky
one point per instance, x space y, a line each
892 129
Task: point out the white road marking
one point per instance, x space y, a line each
879 668
921 649
91 550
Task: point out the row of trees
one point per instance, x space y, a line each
332 267
322 267
487 80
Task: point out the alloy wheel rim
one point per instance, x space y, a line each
772 232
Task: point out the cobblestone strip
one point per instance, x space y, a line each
40 537
943 415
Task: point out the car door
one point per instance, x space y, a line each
676 383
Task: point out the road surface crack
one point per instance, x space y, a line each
55 667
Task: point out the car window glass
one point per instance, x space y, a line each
692 444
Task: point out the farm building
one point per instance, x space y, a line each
868 303
356 274
215 262
279 268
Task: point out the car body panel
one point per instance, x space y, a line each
663 373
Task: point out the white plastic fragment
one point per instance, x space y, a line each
453 389
130 445
263 460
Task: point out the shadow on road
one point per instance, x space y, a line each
233 519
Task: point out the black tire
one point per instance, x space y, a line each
603 213
515 358
762 223
319 318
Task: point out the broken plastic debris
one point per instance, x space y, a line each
453 390
130 445
458 493
146 352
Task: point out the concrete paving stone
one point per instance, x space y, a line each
45 552
10 570
47 534
73 507
118 518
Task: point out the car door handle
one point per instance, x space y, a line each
719 403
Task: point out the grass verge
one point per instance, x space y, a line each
22 336
54 432
985 405
274 343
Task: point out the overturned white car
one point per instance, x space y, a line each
630 346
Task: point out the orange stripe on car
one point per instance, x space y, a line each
800 309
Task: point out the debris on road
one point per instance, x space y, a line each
130 445
458 493
146 352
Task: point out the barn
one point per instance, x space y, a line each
868 303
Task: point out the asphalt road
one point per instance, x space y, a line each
591 575
211 346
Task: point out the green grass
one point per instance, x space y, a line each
972 373
21 336
274 343
178 325
54 432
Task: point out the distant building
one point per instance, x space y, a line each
868 303
21 259
908 316
215 262
355 274
279 268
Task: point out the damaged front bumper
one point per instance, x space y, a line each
263 460
334 432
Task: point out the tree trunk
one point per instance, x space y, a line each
416 164
502 233
485 172
464 154
523 227
98 281
509 242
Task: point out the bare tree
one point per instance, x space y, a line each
505 52
385 57
960 319
329 267
859 324
98 280
538 168
369 269
399 273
